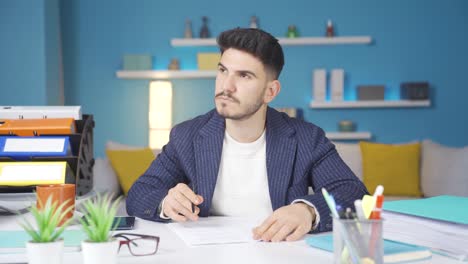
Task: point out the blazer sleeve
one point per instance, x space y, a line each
332 173
146 194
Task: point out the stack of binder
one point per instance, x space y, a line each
439 223
41 139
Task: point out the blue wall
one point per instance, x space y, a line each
29 41
414 40
54 87
22 45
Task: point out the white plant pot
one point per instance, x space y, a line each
100 252
45 253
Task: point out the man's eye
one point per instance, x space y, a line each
244 75
221 69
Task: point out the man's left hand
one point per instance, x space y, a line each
288 223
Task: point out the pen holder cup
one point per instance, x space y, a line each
357 241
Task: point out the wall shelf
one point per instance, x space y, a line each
348 135
371 104
165 75
181 42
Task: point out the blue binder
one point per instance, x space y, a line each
24 148
394 251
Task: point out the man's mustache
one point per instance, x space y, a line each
227 95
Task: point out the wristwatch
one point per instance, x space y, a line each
159 210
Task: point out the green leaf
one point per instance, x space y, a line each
47 219
99 216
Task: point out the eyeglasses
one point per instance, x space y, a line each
140 245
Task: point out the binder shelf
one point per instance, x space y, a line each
80 161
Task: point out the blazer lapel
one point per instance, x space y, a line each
280 155
208 149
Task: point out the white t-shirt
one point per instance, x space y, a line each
242 185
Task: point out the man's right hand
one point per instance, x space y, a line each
178 203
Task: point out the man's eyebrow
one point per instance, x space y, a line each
242 71
248 72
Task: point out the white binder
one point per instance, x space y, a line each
40 112
337 85
319 89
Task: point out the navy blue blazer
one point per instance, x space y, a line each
298 155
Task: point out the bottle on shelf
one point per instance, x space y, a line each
188 29
253 22
204 31
330 32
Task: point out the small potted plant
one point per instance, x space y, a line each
45 245
97 223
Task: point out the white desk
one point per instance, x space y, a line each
174 250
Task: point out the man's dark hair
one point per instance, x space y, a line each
256 42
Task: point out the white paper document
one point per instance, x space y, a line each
34 145
216 230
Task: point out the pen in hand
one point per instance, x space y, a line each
194 189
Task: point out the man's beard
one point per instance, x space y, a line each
251 109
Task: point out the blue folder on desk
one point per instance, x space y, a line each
444 208
15 241
23 148
394 252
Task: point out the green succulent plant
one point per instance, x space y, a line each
47 219
98 220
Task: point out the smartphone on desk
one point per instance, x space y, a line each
125 222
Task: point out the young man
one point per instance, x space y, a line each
244 158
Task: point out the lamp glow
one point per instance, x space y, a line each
160 113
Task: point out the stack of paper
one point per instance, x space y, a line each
215 230
440 223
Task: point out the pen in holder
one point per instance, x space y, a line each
357 241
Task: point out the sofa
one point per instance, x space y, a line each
435 169
439 170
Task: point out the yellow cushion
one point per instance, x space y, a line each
396 167
129 165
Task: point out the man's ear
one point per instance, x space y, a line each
272 90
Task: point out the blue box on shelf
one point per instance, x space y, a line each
137 62
371 92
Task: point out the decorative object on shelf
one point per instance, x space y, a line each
204 31
414 90
208 60
253 22
330 32
346 126
174 64
337 84
97 223
292 112
137 62
371 92
319 89
188 29
292 32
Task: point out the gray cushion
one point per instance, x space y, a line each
444 170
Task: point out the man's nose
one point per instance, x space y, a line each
229 85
